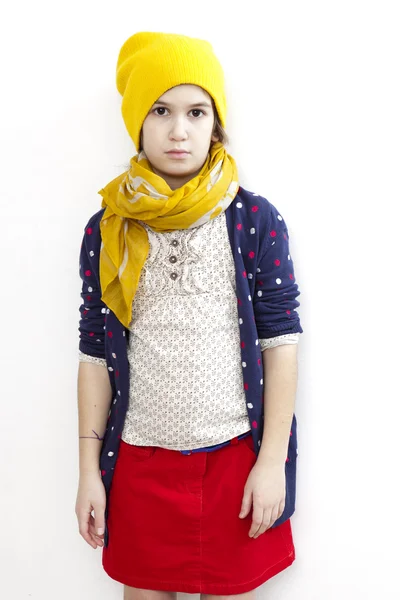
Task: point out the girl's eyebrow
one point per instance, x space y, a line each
206 104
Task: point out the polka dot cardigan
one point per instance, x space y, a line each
266 292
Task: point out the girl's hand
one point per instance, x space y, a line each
266 489
91 497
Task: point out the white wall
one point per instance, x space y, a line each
313 95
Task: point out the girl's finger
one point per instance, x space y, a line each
274 515
264 525
257 520
83 523
98 539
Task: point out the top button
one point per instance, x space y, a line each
174 243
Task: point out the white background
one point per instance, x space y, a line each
313 117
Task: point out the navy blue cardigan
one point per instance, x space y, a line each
266 292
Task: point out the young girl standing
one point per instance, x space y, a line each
188 347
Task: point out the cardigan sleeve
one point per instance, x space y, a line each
276 289
92 310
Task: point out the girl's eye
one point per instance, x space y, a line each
197 110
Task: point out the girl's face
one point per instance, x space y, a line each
182 118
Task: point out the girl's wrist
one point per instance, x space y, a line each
89 472
95 436
89 452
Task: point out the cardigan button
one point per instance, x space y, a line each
174 275
174 243
173 259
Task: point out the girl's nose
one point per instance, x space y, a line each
178 129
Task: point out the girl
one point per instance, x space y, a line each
189 301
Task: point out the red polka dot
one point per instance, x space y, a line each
116 373
242 344
88 273
254 208
259 361
291 276
287 460
91 334
109 333
119 436
259 282
89 231
251 254
239 226
103 472
288 312
244 273
284 236
85 312
254 424
290 433
239 301
272 233
88 298
277 262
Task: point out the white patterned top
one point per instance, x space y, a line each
186 380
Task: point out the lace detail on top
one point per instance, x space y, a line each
279 340
175 264
92 359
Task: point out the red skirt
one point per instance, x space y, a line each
173 522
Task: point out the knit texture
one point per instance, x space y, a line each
150 63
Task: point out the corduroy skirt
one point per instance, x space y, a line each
173 522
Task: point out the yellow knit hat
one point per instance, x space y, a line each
150 63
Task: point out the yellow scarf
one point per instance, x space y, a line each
141 194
